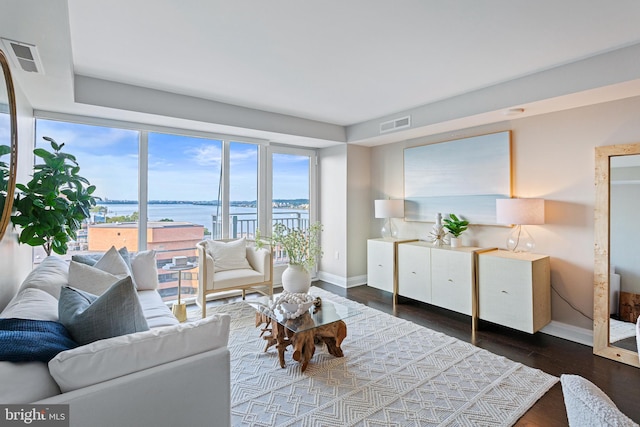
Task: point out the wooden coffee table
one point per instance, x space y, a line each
318 325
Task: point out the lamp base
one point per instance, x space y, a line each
520 240
388 231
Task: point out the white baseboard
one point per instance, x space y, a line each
569 332
343 282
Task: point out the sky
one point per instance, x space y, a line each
180 167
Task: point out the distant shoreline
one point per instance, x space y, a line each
202 202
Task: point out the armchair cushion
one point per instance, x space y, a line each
234 278
228 255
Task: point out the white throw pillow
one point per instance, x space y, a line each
98 278
114 357
112 262
228 255
90 279
145 270
32 303
587 405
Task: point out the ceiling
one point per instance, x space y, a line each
318 73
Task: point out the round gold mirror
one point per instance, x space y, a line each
8 144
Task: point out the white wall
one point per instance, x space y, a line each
15 260
553 158
332 169
359 212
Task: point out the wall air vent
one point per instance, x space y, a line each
24 56
395 124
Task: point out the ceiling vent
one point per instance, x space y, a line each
24 55
395 124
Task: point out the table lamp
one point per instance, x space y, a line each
388 209
520 212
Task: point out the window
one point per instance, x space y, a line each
183 203
167 190
292 173
243 190
108 158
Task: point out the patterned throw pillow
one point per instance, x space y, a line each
89 318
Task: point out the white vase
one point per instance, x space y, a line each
456 242
296 279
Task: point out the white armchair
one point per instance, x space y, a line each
232 264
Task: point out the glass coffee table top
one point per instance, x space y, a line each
328 312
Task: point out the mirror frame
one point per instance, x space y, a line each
601 345
5 216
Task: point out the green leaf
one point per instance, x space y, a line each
41 152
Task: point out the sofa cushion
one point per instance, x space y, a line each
228 255
26 382
26 340
587 405
89 317
51 275
111 358
155 310
32 303
145 270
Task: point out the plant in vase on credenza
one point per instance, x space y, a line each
455 226
50 207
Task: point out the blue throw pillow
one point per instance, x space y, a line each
89 318
26 340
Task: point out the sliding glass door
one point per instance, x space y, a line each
292 190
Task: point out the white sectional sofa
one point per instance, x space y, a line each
172 374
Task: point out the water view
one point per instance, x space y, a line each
195 213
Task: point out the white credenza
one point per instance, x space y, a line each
381 263
441 276
515 289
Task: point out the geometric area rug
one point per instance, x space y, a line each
393 373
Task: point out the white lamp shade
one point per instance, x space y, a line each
389 208
520 211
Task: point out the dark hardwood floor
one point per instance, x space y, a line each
553 355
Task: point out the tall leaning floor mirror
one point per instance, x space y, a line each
617 254
8 143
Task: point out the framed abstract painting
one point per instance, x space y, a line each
464 177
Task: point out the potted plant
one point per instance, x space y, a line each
50 208
302 247
455 226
